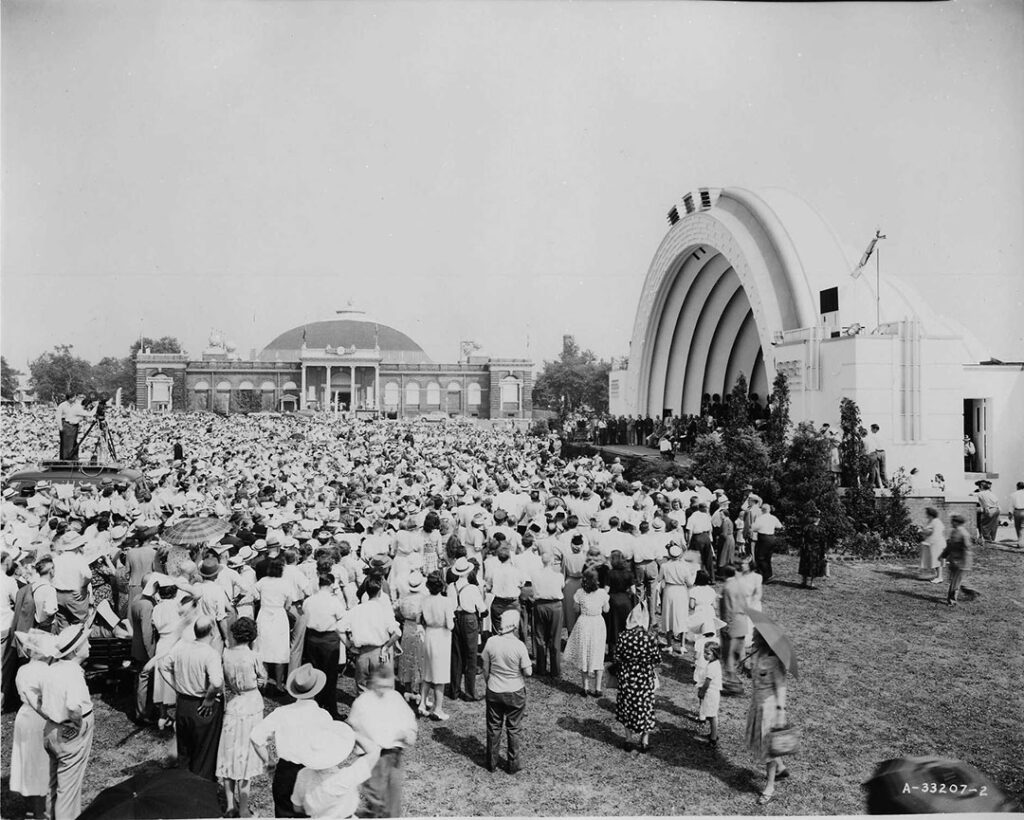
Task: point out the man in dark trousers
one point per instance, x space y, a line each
179 451
322 643
193 668
140 616
469 608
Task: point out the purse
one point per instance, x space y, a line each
783 740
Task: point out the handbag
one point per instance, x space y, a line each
783 740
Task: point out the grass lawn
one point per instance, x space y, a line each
887 670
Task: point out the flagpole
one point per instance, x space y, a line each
878 289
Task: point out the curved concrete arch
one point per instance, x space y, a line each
743 351
769 240
676 286
759 377
713 268
704 331
735 311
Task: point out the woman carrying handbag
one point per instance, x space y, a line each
767 713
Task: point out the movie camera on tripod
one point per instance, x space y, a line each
100 427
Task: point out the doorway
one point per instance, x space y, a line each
976 436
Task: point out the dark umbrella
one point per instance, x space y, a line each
298 436
169 793
195 531
932 785
778 640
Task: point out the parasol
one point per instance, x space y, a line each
169 793
932 785
195 531
778 640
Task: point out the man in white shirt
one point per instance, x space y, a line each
291 727
469 608
874 449
698 527
763 532
504 581
371 630
322 648
382 715
547 624
1017 509
71 577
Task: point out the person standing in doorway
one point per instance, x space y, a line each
1017 508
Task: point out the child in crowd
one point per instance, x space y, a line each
710 689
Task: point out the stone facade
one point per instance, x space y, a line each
471 389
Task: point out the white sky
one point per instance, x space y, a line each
494 171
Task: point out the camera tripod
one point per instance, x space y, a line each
104 451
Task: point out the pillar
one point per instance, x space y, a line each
302 393
327 388
376 387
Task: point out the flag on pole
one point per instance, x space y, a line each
867 254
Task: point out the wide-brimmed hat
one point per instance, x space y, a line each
69 640
674 550
210 568
414 581
327 746
240 557
509 621
305 683
73 543
36 643
462 567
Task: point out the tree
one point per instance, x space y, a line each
778 425
853 462
732 460
110 373
58 373
575 380
807 489
738 415
8 379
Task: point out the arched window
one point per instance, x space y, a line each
268 385
433 394
201 395
412 394
392 394
245 385
473 394
201 385
224 386
510 392
454 387
290 386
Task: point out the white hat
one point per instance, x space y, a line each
675 550
462 566
327 746
509 621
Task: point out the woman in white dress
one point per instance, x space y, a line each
676 578
586 646
273 640
167 623
703 603
934 532
438 618
30 764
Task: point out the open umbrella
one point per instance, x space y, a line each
778 640
169 793
195 531
932 785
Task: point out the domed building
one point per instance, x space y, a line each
349 363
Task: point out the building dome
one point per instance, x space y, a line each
350 328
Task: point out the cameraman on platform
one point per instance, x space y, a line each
70 416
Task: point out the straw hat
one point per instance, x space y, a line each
414 581
675 550
462 567
210 568
305 683
240 557
69 640
328 746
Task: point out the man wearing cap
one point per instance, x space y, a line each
193 669
291 727
763 532
988 511
469 609
214 602
506 666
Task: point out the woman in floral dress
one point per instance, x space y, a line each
637 656
237 761
410 662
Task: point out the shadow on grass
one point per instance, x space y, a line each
682 749
906 574
14 805
467 746
931 599
561 684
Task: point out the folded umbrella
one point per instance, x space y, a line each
778 640
169 793
195 531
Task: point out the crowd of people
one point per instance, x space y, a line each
421 557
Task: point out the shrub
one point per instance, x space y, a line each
539 428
